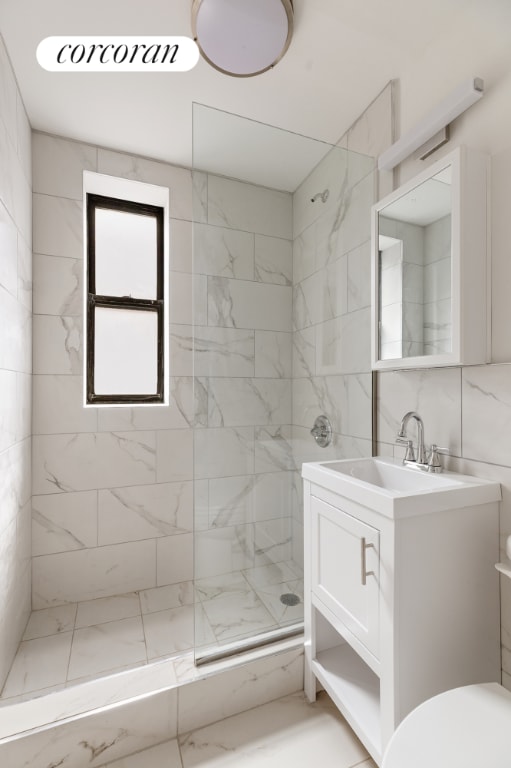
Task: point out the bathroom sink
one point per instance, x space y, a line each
394 477
396 490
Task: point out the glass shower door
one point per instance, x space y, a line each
270 274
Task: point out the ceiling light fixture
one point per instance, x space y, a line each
242 37
450 108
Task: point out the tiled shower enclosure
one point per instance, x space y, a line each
144 519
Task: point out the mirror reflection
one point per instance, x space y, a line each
414 265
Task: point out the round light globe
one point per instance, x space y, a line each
242 37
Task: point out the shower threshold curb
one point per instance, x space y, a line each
118 715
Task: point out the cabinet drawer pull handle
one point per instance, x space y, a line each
364 573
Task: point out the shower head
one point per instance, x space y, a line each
321 195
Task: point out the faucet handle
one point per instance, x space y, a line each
434 463
409 453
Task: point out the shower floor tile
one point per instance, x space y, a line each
72 643
237 614
39 663
277 573
171 596
50 621
105 609
240 604
282 612
106 647
168 631
225 584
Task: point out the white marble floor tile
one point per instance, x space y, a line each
167 632
39 663
270 596
50 621
263 575
106 647
234 604
225 583
164 755
286 732
105 609
204 635
237 614
297 569
125 631
170 596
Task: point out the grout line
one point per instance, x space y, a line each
70 650
72 643
143 628
75 616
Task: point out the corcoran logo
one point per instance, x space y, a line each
117 54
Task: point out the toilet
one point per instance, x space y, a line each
468 727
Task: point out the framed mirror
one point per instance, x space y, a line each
429 260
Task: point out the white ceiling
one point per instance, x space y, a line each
342 54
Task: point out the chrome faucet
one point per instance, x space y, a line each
431 463
402 437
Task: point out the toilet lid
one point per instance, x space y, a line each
468 727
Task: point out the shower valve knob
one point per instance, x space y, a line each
322 431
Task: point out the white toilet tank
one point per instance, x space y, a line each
468 727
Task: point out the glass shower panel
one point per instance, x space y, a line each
276 218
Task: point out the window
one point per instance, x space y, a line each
125 312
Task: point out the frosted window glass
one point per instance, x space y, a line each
126 352
125 254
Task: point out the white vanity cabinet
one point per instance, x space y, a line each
401 594
345 570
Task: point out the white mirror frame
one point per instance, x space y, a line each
470 283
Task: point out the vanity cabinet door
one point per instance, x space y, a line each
345 570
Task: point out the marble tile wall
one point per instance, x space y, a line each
468 411
15 363
242 359
332 299
113 501
112 487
